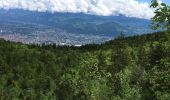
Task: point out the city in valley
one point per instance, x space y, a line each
38 34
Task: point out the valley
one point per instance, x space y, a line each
66 28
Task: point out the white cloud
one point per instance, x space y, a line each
130 8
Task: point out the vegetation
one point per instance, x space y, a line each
162 15
132 68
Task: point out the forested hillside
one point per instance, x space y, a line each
132 68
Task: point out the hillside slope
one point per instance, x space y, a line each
67 28
132 68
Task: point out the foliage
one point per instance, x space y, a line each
131 68
162 15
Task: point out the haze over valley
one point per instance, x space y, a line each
66 28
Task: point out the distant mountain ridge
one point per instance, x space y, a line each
81 27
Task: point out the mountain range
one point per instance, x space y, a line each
67 28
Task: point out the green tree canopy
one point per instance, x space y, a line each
162 15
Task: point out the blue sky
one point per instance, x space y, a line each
165 1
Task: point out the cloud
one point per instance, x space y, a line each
130 8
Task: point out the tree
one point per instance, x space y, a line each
162 15
121 57
121 35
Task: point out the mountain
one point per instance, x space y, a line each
67 28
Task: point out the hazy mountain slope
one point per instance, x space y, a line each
79 26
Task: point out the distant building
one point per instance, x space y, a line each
78 45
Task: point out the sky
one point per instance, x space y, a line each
165 1
129 8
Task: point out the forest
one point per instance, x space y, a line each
126 68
